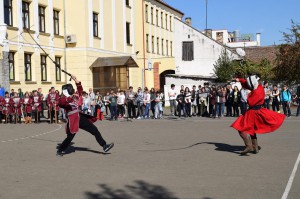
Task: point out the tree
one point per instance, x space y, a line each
287 67
224 67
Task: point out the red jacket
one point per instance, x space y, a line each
2 102
71 106
27 102
257 119
36 103
7 109
52 100
16 104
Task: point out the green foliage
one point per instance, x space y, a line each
287 67
224 67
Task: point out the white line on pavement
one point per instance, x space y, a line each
23 138
290 182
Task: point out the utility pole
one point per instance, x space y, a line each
206 18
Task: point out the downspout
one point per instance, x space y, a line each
144 50
65 49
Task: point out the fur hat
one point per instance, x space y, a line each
68 90
252 82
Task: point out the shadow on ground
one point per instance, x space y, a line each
139 190
73 149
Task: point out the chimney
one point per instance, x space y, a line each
188 21
258 39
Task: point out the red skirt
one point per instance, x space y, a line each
260 121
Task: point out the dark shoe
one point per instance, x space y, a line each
60 153
107 147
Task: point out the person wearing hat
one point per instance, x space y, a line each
76 119
256 120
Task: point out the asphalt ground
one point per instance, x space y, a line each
195 158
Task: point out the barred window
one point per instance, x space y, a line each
8 15
25 15
27 64
43 68
11 63
42 19
56 22
57 69
95 24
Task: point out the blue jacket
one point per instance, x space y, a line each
285 96
2 92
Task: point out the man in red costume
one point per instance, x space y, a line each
256 120
52 102
7 109
27 102
37 106
76 119
16 105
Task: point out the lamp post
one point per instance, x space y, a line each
206 17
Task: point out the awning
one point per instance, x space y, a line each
114 61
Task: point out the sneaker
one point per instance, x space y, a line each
107 147
138 118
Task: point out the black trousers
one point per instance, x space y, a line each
52 115
131 109
1 117
86 125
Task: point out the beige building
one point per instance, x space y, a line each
107 44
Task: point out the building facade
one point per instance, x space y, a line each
107 44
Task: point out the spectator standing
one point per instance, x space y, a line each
106 103
212 101
172 98
181 103
229 101
203 96
152 101
236 100
113 105
188 101
140 103
147 102
286 98
12 93
130 98
121 105
158 106
224 91
86 103
275 99
92 97
194 101
243 101
219 102
2 91
267 95
198 100
40 94
20 93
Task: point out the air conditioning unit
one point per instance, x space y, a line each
70 39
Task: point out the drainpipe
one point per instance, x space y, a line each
65 34
144 50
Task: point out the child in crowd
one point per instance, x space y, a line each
121 105
158 106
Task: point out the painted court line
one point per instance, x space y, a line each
290 182
23 138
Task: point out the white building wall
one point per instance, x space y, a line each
206 51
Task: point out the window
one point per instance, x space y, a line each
25 15
161 19
157 17
171 48
146 13
56 22
42 18
8 12
27 63
43 68
128 33
147 43
11 63
167 47
95 24
157 45
162 46
153 51
152 21
170 23
166 18
57 69
188 51
127 2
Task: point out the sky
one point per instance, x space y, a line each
268 17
